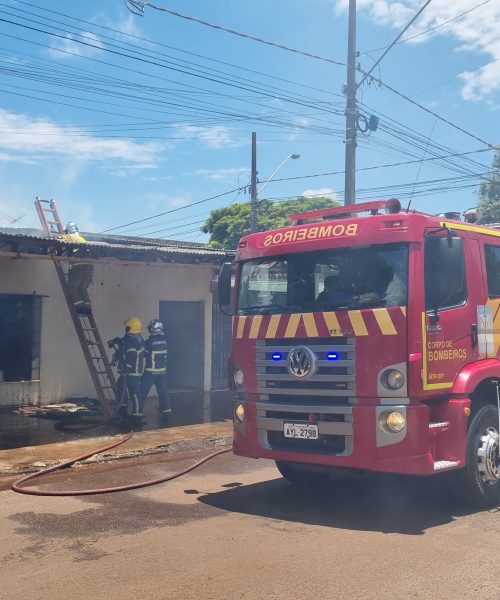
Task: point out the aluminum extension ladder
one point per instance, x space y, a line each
85 325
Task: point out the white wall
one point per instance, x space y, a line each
118 291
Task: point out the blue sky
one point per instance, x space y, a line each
154 113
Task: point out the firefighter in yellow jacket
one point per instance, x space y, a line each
80 274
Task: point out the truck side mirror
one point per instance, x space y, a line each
224 284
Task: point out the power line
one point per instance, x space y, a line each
431 112
409 24
299 177
167 212
430 29
180 50
396 164
124 54
141 5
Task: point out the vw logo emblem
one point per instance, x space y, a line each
301 362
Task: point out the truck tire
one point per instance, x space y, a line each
481 477
300 476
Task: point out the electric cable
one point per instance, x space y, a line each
412 37
142 5
180 50
388 49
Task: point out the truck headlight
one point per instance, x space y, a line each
239 413
395 421
238 377
392 379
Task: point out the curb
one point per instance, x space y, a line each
191 445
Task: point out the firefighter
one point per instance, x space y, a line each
80 274
155 370
133 363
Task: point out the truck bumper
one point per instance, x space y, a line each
354 437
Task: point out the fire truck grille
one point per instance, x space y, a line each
325 398
334 370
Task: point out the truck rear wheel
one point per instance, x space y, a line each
481 476
300 476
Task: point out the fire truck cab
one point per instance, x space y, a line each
369 342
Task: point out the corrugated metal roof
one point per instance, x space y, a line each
121 243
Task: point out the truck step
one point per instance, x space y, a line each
439 465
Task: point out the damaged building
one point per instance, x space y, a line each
41 361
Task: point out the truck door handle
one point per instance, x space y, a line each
473 335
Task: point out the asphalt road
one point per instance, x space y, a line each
233 529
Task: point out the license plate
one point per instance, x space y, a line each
303 431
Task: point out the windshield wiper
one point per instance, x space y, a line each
261 307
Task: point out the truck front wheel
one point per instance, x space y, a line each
301 476
481 475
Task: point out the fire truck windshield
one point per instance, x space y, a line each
334 279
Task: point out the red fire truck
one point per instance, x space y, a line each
369 342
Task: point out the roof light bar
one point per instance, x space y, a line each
391 206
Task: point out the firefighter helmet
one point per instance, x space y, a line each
155 327
133 325
71 228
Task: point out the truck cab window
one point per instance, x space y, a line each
348 278
444 273
492 256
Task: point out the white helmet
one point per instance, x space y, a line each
71 228
155 327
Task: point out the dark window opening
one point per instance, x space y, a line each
445 283
19 337
492 256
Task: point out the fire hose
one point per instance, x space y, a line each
16 486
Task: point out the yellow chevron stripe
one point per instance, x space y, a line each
310 325
241 326
293 325
332 323
357 322
496 324
403 310
384 321
254 329
273 326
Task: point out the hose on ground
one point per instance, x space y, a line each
16 486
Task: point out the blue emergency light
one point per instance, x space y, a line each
332 356
277 356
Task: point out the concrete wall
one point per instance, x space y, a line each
118 291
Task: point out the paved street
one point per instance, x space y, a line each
235 529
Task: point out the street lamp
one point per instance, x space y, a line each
255 192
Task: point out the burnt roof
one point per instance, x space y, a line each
104 246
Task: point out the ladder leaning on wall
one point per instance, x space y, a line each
85 325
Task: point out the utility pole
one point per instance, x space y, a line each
350 129
253 186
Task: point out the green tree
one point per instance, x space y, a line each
489 194
227 225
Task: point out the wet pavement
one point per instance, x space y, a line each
188 408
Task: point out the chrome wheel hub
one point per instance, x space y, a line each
488 458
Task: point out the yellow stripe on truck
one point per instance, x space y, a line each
357 322
310 325
254 329
384 321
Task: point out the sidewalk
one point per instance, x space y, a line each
172 439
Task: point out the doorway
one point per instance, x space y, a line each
184 324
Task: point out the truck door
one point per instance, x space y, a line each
452 294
